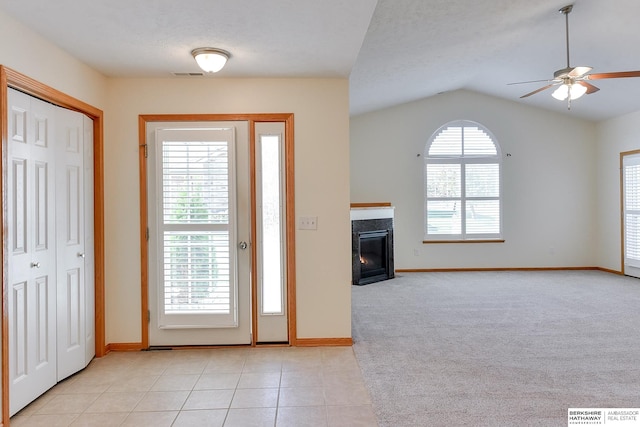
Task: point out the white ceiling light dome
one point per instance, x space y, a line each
210 59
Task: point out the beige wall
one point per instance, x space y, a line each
321 126
34 56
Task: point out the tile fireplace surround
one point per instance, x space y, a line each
372 242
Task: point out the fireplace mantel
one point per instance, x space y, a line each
360 211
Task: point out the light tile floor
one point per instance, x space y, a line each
230 387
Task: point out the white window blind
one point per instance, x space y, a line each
195 182
462 183
631 182
196 228
195 189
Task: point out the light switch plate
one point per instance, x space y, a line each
308 223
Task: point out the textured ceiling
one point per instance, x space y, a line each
415 49
393 51
154 38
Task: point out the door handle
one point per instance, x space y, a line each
80 255
243 245
35 265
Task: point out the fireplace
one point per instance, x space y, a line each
372 250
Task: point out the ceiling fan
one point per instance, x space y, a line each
571 81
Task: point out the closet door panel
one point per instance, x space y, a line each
41 215
18 208
43 298
70 242
89 253
42 193
74 308
18 319
31 272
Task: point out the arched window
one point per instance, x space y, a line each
462 183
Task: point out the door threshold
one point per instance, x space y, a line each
194 347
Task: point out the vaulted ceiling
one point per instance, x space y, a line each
393 51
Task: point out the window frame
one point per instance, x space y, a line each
463 161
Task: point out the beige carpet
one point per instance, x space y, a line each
497 348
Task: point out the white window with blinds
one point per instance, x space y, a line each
631 212
196 228
462 171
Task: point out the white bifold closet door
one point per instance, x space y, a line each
49 205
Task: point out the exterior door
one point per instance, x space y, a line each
31 247
199 257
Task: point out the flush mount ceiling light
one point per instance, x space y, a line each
210 59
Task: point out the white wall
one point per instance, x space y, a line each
614 137
549 181
321 117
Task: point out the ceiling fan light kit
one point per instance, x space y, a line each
571 81
573 91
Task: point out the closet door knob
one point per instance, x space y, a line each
80 255
35 265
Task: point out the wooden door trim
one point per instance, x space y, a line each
287 118
13 79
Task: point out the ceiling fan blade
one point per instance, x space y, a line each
537 90
579 71
590 88
615 75
532 81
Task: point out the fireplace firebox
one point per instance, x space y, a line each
372 250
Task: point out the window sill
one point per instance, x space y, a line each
427 242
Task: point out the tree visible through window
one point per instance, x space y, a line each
462 183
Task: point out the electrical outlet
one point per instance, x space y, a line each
308 223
